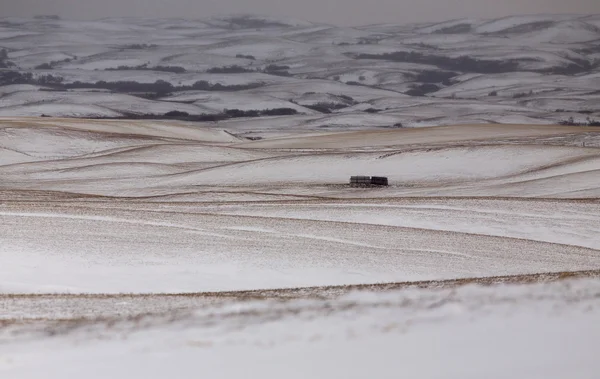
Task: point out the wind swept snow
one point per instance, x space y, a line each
198 207
150 67
478 331
144 240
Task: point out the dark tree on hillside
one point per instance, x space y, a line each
176 114
251 57
4 62
462 63
49 80
235 69
15 77
43 66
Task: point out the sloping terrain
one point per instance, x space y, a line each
215 211
522 69
146 244
141 159
202 224
523 325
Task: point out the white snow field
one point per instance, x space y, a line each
149 228
535 69
97 206
546 330
136 248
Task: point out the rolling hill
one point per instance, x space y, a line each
530 69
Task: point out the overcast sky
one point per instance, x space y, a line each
341 12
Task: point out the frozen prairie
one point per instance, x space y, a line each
134 245
547 330
539 69
178 244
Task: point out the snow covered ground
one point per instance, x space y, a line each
147 207
522 69
156 248
149 248
547 330
153 248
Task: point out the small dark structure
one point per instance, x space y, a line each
360 180
379 180
367 181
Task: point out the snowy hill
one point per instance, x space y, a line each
534 69
184 202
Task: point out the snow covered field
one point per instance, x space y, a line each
538 69
149 248
546 330
128 248
167 207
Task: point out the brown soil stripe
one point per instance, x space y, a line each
333 291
